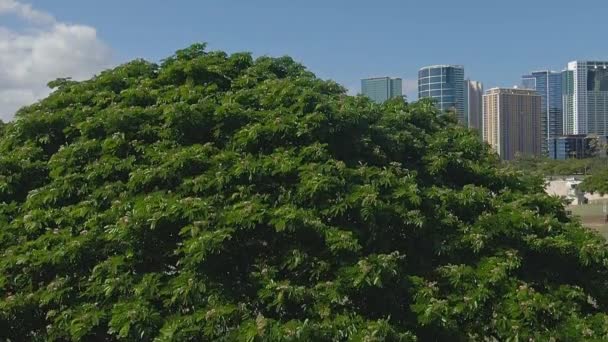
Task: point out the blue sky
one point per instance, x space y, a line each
496 41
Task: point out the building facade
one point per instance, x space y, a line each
577 146
548 85
585 98
511 121
570 146
444 84
380 89
473 106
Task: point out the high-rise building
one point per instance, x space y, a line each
511 121
585 98
574 146
473 107
380 89
445 84
548 85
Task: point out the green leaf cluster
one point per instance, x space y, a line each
222 197
597 182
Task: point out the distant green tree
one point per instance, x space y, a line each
597 146
218 197
598 182
546 167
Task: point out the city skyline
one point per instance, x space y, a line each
572 107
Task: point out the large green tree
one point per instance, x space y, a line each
218 197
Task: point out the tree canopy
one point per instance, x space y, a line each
546 167
222 197
597 182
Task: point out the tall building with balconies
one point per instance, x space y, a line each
445 85
380 89
548 85
585 98
511 121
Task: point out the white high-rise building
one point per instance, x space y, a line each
473 105
585 99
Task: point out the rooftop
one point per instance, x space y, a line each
381 78
443 66
514 91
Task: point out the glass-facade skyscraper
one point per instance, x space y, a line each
444 84
548 85
380 89
585 98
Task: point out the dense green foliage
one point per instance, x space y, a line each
597 182
218 197
550 167
594 169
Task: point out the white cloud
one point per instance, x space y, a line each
25 11
46 50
